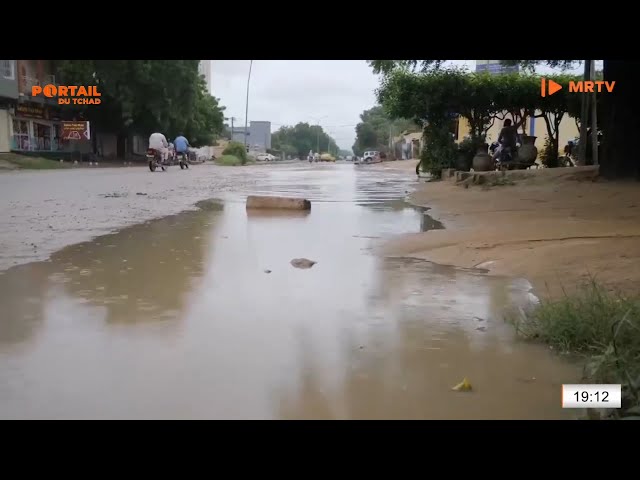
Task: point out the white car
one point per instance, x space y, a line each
265 157
371 157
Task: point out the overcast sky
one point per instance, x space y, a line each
332 93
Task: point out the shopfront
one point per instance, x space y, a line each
36 128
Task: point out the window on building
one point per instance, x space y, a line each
20 134
43 136
7 69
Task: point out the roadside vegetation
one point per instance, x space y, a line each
298 140
426 90
376 130
168 96
601 327
14 161
229 161
233 155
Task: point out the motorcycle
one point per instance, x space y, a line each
154 157
506 157
183 160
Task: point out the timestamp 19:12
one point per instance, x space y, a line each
591 396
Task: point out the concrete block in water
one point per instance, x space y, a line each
255 201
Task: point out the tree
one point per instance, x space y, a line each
552 109
376 128
301 139
435 96
620 121
142 96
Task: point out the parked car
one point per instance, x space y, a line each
265 157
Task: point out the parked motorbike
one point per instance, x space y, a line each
154 157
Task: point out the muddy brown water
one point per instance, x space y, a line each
177 318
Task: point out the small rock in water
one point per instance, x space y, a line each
302 263
267 271
140 193
482 329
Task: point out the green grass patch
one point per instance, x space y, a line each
228 161
233 161
17 161
601 327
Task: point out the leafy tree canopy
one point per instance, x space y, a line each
375 127
301 139
142 96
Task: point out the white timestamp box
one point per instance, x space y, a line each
591 396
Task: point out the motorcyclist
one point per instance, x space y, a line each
158 141
182 146
507 139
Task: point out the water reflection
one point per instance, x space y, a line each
142 273
23 291
356 336
404 366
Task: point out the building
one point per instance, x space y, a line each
494 67
204 68
29 124
407 145
258 137
8 100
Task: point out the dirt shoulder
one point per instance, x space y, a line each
14 161
555 228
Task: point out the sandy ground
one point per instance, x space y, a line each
555 229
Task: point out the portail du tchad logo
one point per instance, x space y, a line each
69 94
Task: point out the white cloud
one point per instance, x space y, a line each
286 92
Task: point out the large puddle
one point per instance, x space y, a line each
178 318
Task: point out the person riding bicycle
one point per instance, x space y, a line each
158 141
181 145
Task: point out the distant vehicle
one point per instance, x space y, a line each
265 157
327 157
372 156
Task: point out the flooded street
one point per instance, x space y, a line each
201 315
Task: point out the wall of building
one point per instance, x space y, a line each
5 131
260 134
238 135
568 131
259 137
9 86
204 68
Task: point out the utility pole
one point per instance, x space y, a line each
594 117
246 113
232 119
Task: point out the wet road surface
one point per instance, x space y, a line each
177 317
